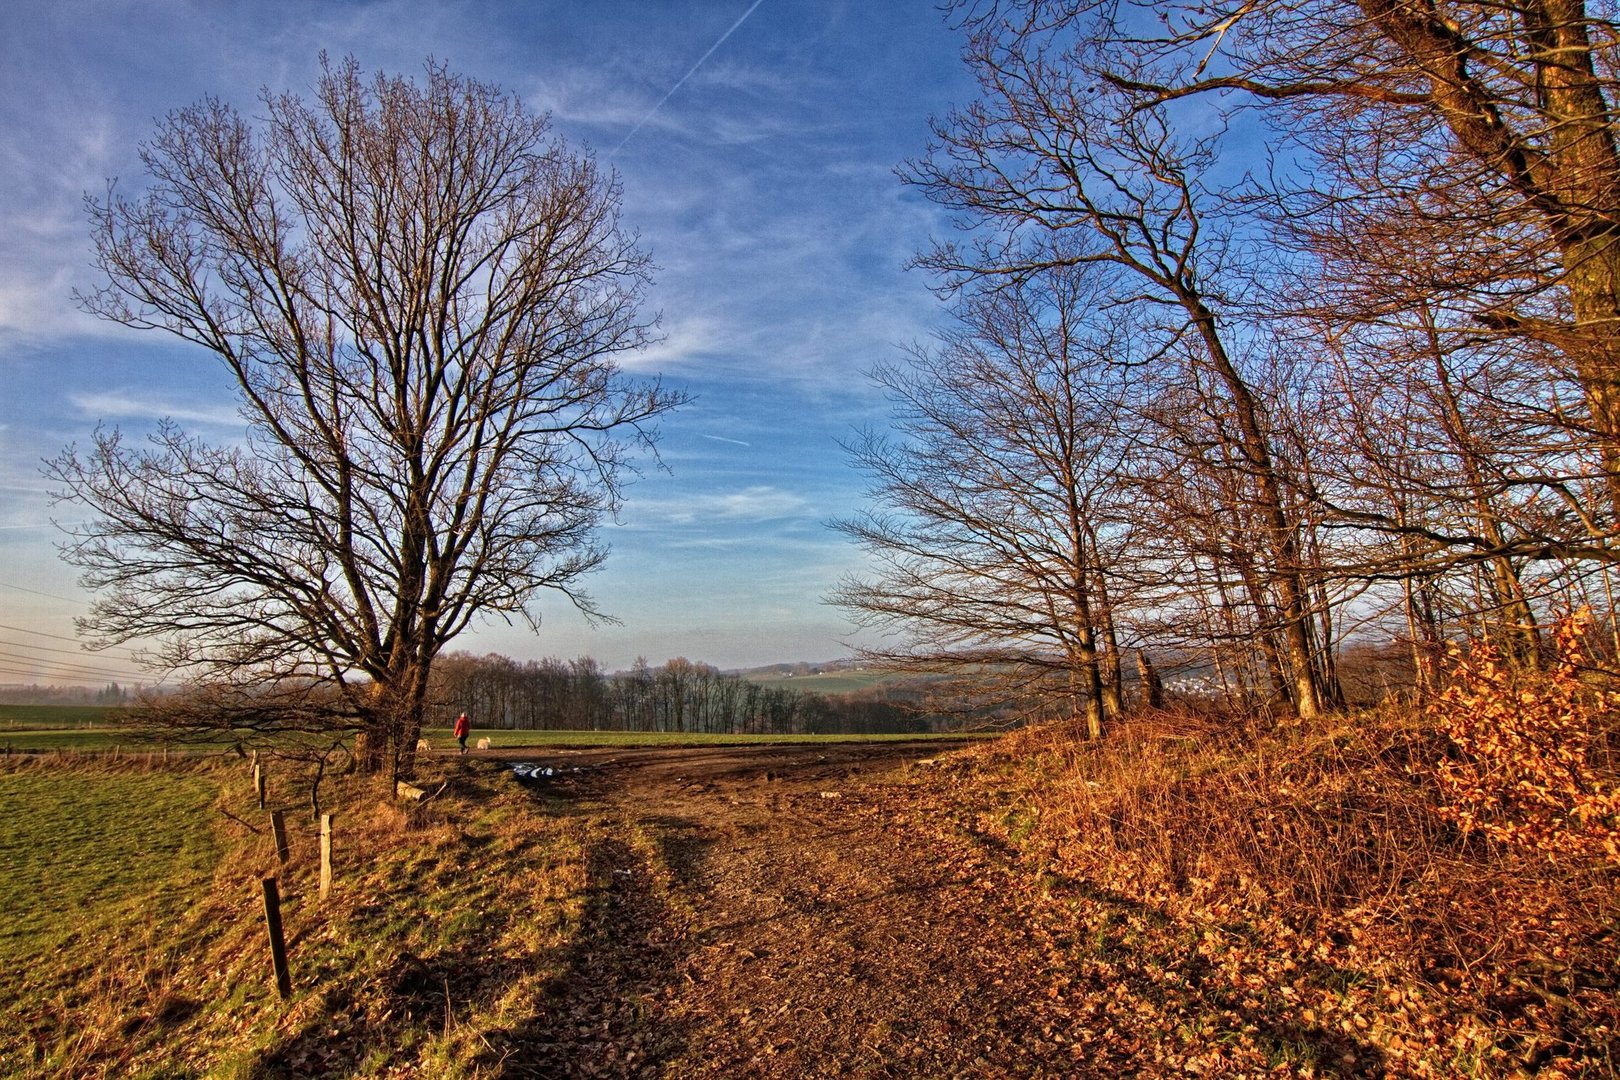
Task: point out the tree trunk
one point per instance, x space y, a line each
1152 686
1281 533
1572 181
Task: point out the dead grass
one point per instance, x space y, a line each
1191 894
1328 843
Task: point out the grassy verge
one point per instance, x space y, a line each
54 717
134 936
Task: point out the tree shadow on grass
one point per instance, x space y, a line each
601 1016
604 1014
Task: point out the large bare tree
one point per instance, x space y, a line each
421 294
1052 168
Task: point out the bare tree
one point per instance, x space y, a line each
1052 168
994 531
1469 146
421 295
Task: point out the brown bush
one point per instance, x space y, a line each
1530 767
1338 837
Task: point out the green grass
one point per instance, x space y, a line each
500 739
57 717
103 739
81 739
95 848
134 941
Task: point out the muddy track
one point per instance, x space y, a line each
775 912
830 911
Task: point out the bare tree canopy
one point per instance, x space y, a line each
421 294
1356 261
993 539
1461 150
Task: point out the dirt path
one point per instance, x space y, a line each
783 912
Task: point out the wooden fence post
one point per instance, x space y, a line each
258 783
326 855
278 829
278 943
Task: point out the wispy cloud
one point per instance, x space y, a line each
757 503
686 340
779 283
43 235
682 80
124 405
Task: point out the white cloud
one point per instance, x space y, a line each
686 341
133 406
758 503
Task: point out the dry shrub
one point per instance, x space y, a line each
1336 834
1530 768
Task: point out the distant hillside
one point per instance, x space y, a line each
796 667
821 678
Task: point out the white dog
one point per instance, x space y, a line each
483 744
422 746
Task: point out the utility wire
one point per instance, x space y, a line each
65 667
47 648
68 676
36 592
39 633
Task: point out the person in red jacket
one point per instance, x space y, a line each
461 730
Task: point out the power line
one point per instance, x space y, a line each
67 676
67 668
36 592
47 648
56 637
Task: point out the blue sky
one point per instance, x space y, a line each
763 188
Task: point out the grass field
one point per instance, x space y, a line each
95 848
57 717
103 739
132 938
80 739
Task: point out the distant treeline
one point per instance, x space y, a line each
111 694
576 695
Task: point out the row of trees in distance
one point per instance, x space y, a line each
679 696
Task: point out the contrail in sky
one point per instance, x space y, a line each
682 81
